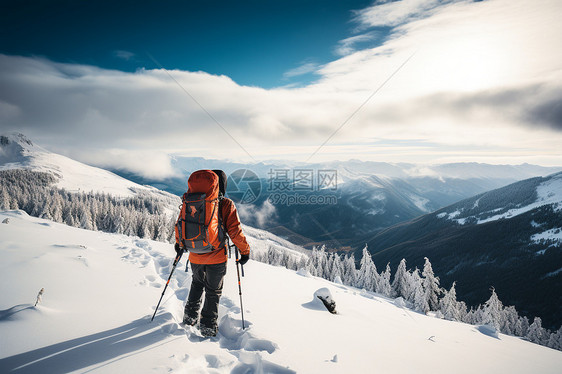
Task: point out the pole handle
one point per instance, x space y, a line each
237 263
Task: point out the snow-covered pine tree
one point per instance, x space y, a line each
522 326
431 285
418 293
273 256
336 267
510 318
401 284
537 333
322 269
85 218
45 211
57 208
349 271
300 264
492 312
383 285
14 204
312 261
555 340
4 199
367 276
94 211
449 305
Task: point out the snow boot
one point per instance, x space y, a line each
188 320
208 331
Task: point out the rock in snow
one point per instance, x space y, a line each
325 296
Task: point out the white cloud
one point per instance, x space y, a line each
393 13
305 68
348 46
124 55
486 76
259 215
148 163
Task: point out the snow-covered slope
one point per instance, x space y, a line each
18 152
101 289
508 202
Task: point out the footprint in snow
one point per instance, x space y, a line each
251 362
217 362
233 337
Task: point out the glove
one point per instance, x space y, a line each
243 259
178 249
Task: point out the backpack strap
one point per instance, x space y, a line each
222 227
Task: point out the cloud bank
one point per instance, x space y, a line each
485 84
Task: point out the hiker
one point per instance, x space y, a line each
204 206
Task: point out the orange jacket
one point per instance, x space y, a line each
231 223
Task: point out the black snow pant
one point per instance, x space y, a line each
208 278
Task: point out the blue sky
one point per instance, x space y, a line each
419 81
252 42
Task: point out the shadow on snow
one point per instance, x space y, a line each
101 349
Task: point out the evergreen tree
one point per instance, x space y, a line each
510 318
555 340
85 218
4 199
45 211
57 208
14 204
323 270
522 326
349 271
492 312
401 284
449 305
431 286
419 297
536 332
383 285
367 275
312 262
336 267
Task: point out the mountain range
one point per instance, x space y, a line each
366 198
508 238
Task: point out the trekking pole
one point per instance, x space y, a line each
239 285
177 259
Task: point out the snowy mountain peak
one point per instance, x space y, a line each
18 152
15 137
16 147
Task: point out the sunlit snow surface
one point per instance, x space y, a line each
71 175
548 193
101 290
